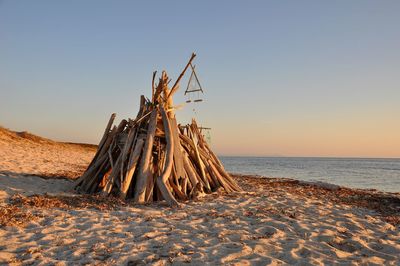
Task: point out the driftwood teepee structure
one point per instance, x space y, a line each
152 158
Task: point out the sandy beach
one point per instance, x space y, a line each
274 221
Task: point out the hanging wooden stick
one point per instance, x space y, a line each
175 87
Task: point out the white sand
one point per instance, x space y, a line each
30 185
32 155
249 228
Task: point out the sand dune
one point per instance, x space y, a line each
26 154
277 221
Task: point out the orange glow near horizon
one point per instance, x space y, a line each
374 137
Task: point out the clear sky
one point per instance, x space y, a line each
289 78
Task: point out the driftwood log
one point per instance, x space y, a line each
152 158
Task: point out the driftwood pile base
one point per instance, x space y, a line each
152 158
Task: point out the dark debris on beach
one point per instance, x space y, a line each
387 205
20 209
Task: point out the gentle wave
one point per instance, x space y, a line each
381 174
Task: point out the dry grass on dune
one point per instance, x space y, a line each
7 134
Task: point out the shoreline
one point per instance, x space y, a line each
380 174
316 183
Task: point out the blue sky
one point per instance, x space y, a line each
296 78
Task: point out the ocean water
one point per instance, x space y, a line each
381 174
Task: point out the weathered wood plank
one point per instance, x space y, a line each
133 160
162 179
144 172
